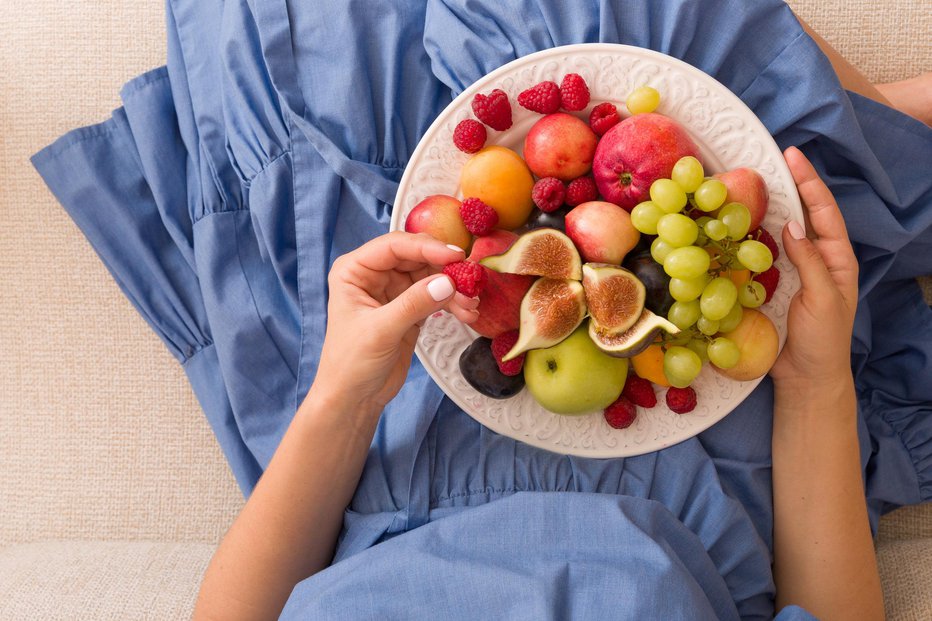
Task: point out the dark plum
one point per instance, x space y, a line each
554 219
655 281
477 364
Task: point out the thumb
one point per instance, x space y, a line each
813 274
417 303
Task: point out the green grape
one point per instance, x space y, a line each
730 321
668 195
677 230
686 262
755 256
710 195
723 353
715 229
644 217
751 294
688 173
659 249
707 326
686 289
717 298
643 99
737 218
683 314
701 221
700 346
681 366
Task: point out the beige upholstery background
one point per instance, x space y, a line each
100 436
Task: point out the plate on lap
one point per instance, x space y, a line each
728 136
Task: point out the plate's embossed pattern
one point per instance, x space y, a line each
728 135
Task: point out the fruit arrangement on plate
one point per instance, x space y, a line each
606 263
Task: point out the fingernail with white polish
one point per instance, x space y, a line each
456 248
796 231
440 288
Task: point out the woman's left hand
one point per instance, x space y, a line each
380 295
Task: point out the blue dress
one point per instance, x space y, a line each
272 142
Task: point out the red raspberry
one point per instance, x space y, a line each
581 190
493 109
478 217
543 98
621 414
681 400
764 237
469 136
468 276
574 94
501 345
770 279
548 194
639 391
603 117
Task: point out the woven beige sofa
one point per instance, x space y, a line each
113 492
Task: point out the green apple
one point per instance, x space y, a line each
574 376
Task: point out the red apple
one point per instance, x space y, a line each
637 152
746 186
500 300
560 145
439 217
602 232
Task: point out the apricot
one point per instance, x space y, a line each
500 178
759 344
649 365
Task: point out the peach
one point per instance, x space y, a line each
746 186
439 216
560 145
635 153
500 178
602 232
757 339
500 300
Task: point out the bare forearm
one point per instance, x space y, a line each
288 529
824 557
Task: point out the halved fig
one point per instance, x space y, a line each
550 311
635 339
541 252
614 295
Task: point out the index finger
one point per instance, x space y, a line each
824 215
405 252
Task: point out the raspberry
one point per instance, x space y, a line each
603 117
681 400
581 190
764 237
493 109
621 414
574 94
548 194
478 217
639 391
543 98
468 276
501 345
469 136
770 279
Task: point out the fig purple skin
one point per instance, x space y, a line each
551 220
478 366
655 281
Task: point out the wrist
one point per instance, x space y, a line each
340 411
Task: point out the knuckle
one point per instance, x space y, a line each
409 305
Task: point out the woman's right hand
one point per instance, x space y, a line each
817 352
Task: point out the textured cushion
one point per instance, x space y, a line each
70 580
907 592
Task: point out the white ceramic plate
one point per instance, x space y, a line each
728 134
